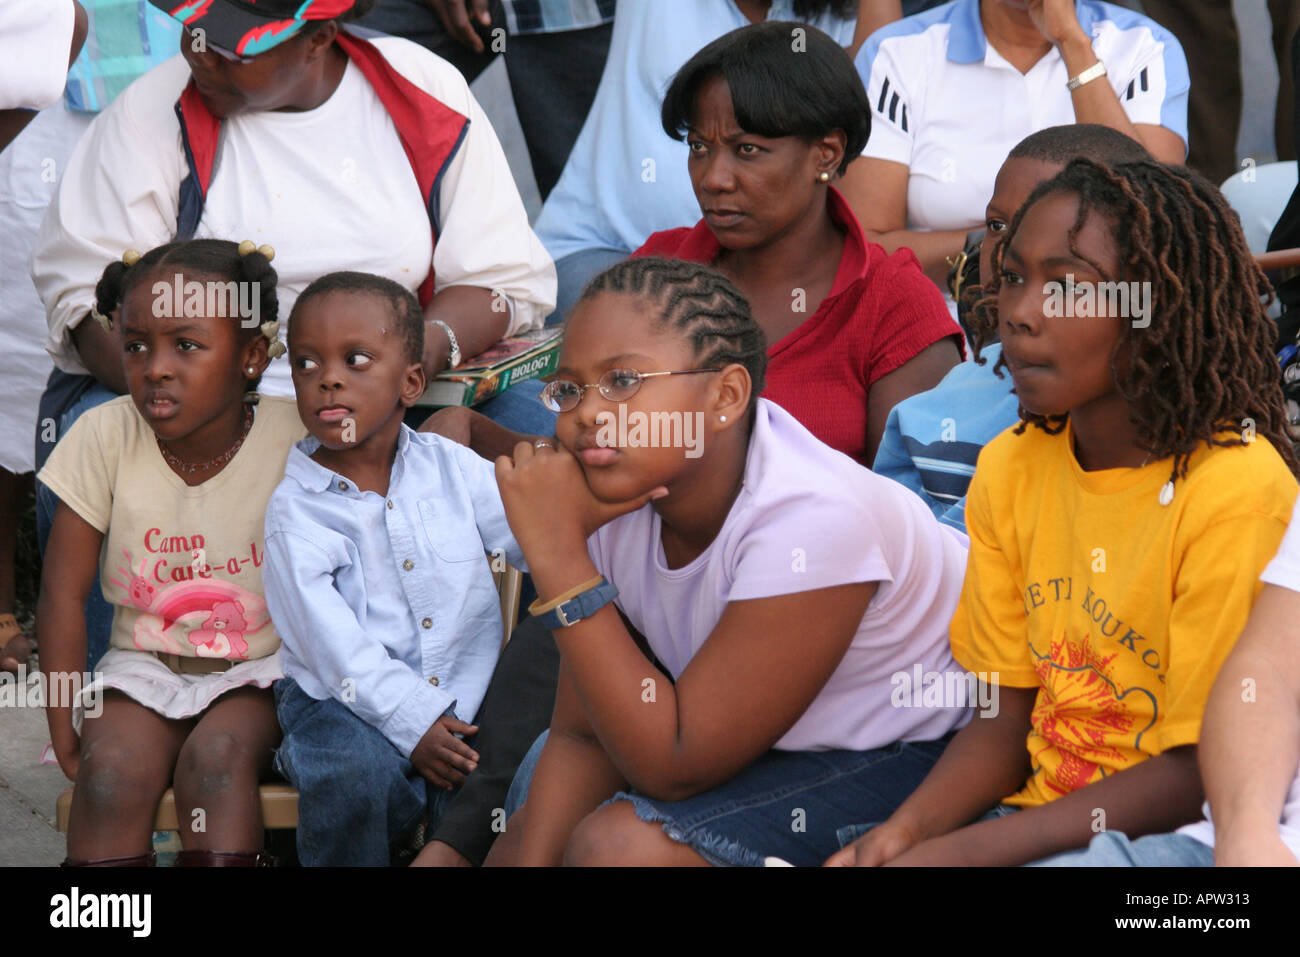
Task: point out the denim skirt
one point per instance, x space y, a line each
798 806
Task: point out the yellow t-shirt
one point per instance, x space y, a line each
181 566
1118 609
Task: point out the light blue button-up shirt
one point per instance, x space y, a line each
386 603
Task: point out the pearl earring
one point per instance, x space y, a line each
823 177
722 418
251 371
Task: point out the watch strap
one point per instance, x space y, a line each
583 605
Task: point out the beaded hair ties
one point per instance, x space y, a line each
270 329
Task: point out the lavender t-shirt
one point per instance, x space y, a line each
809 517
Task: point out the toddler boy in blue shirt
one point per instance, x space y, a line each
377 580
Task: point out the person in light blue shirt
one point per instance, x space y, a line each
378 580
626 179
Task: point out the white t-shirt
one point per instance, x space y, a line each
29 167
35 41
329 189
1284 571
809 517
948 106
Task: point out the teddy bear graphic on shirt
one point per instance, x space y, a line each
222 635
214 615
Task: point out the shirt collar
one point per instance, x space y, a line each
701 246
967 42
314 477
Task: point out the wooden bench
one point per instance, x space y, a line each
280 801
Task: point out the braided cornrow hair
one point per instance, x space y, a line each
698 302
1205 364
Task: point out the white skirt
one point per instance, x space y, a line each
142 677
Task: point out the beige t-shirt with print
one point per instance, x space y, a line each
181 566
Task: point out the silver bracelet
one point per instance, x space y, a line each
453 359
1087 76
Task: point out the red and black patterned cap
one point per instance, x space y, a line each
250 27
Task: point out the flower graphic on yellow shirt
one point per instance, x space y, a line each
1082 716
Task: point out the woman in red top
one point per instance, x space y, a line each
771 113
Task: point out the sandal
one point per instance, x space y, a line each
16 645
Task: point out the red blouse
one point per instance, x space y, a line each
881 311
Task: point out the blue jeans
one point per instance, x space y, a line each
99 613
520 408
794 805
357 795
574 271
1113 849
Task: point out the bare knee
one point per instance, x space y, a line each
117 778
209 765
611 836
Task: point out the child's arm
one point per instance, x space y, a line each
574 776
322 632
1250 743
983 763
1156 796
475 431
71 560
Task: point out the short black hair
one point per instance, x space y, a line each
406 308
699 304
1060 144
782 83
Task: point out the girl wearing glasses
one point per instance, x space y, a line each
734 625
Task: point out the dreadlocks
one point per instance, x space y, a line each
1205 365
698 302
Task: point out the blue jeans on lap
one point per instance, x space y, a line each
788 804
357 795
574 271
1113 849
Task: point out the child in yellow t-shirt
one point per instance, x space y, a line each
1118 532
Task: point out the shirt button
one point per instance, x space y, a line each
434 680
427 623
343 486
390 503
408 564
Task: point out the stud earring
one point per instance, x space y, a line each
251 371
823 177
722 418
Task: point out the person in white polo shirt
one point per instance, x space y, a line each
954 88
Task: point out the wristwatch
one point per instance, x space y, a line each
453 357
575 605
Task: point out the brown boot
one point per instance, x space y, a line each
224 859
134 860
